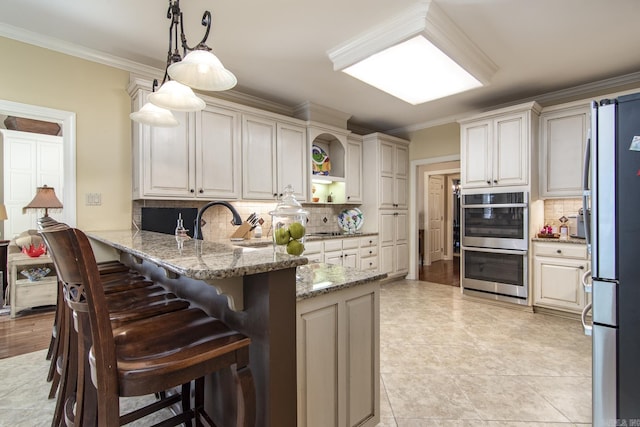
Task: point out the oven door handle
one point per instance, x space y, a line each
496 205
496 251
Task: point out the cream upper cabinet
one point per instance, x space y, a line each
274 156
394 166
496 147
563 134
557 272
353 171
198 158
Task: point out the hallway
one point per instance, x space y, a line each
444 272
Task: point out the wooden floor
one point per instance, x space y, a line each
26 333
446 272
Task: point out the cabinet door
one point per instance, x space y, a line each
401 258
292 159
350 258
563 136
387 228
386 259
510 150
476 154
168 159
218 162
401 228
361 352
353 173
259 158
401 176
557 283
334 257
318 371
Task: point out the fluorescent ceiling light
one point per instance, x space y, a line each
415 71
417 56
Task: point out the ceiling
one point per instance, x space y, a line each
549 50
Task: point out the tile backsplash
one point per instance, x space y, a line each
556 208
322 217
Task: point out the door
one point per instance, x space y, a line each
436 217
30 160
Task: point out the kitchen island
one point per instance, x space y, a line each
258 293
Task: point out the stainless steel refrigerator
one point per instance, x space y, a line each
612 200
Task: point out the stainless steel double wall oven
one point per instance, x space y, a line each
495 241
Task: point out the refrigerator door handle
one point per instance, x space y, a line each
588 329
586 192
586 284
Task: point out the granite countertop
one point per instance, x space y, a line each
197 259
318 279
210 260
573 240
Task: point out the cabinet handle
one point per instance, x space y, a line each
275 194
348 197
201 191
489 182
370 252
191 190
495 181
581 267
559 251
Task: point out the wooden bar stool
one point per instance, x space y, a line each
150 355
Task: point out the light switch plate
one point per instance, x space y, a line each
93 199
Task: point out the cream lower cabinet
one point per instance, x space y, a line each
341 252
394 243
338 358
557 272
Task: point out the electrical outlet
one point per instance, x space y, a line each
93 199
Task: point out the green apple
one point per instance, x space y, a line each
294 247
296 230
282 236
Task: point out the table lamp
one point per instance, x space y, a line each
45 199
3 215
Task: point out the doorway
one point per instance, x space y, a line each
434 252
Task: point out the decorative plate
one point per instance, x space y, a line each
350 220
321 164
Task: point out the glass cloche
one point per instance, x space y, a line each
289 222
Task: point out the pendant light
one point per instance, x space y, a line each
200 69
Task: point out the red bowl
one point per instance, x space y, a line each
33 251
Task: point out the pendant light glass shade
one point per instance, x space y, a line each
201 69
153 115
176 96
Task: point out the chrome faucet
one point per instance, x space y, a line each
196 228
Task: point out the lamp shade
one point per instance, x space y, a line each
45 198
173 95
3 212
153 115
201 69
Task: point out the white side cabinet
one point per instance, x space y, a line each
342 252
274 156
495 147
198 158
24 293
386 201
563 134
557 273
338 358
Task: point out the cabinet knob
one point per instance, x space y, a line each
581 267
489 182
495 181
201 191
370 252
275 194
559 251
191 190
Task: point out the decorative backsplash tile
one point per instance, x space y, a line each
554 209
218 218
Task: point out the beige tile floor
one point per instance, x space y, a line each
449 361
445 361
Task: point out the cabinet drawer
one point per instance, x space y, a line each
370 263
350 243
312 248
368 241
333 245
34 294
368 252
566 250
